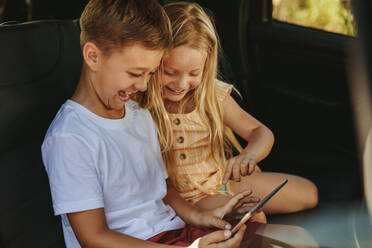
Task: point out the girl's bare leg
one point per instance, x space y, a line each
298 194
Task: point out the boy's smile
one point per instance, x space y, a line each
125 96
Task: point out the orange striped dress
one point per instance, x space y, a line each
200 174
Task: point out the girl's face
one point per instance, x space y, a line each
123 73
183 71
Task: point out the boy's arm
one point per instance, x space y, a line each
91 230
182 208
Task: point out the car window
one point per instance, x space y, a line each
2 5
329 15
15 10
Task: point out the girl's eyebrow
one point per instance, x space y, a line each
139 68
169 67
143 68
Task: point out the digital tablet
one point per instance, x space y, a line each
259 205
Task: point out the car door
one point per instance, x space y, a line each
294 79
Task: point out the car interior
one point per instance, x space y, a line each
311 87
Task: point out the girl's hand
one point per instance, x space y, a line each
220 239
241 165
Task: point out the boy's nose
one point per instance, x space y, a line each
141 85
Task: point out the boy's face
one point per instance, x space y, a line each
121 74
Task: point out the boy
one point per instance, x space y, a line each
101 151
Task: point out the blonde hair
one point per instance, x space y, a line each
193 27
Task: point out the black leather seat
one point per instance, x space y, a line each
40 64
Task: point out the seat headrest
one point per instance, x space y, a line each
31 51
40 64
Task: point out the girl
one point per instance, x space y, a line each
197 150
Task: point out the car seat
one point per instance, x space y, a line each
40 64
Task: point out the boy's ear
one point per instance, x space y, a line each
91 55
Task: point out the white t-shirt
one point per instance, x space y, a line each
94 162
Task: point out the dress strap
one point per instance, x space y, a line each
222 89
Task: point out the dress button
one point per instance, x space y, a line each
183 156
177 121
180 140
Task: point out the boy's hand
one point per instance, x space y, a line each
237 206
220 239
214 217
208 219
241 165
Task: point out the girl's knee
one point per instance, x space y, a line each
312 197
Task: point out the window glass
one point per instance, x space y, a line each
2 5
329 15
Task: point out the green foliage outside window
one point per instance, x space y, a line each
329 15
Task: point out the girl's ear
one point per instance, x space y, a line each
91 55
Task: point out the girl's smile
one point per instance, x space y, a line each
173 91
183 72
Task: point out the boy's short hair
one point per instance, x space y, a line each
112 24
